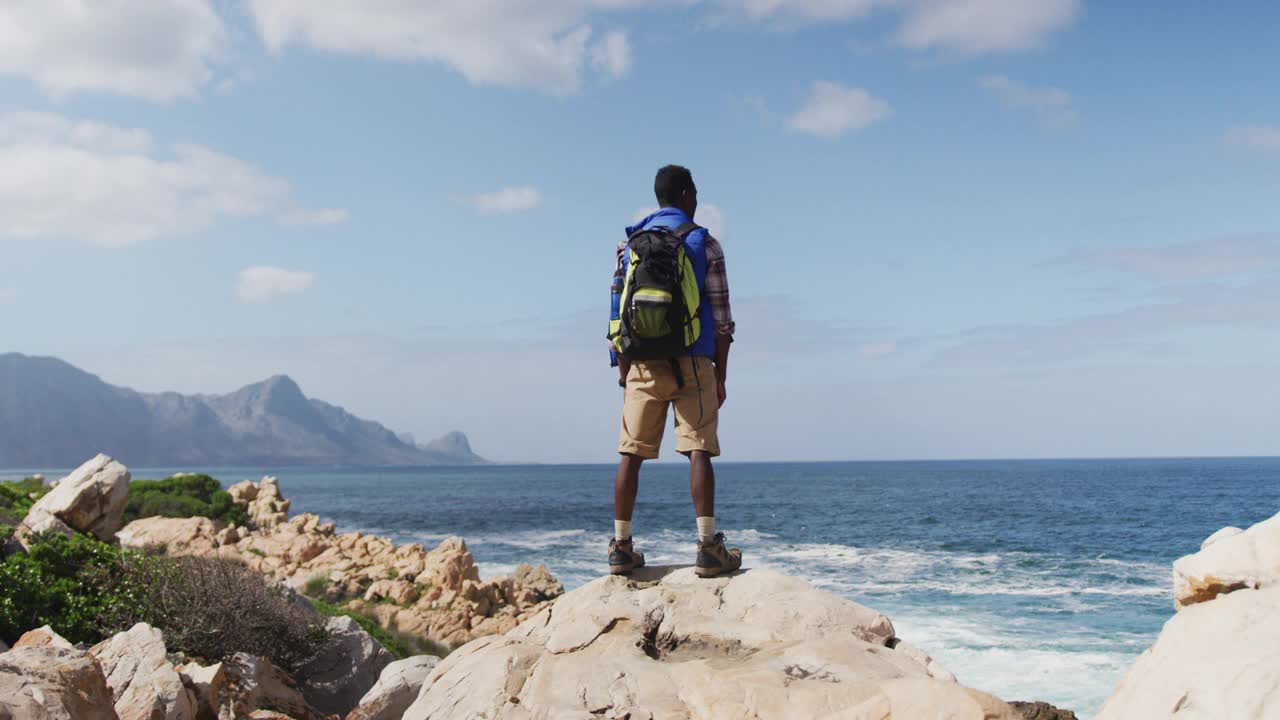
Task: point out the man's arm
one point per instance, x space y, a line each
716 290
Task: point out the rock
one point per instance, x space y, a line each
253 683
4 647
1222 534
664 643
42 637
207 684
145 686
91 499
436 596
266 507
53 683
539 579
178 536
345 668
1042 711
396 689
1213 661
936 671
1229 561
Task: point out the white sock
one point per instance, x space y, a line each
706 528
622 529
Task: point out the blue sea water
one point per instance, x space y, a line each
1033 580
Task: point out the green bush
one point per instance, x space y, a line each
182 496
58 582
88 590
397 645
16 498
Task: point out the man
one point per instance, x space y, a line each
692 379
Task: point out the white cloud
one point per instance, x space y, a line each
263 282
153 50
1255 137
709 216
111 186
981 26
833 110
612 55
326 216
543 44
965 26
1053 106
501 202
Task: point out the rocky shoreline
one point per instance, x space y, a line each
659 644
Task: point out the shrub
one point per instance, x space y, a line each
315 586
213 608
398 645
16 498
182 496
58 582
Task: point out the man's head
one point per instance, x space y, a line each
675 189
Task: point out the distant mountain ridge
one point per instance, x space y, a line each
54 414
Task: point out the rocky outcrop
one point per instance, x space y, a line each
1041 711
143 683
265 505
254 684
667 644
42 637
91 500
1216 660
1219 656
207 685
437 596
396 689
1231 559
344 670
53 683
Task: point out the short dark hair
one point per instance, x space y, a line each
672 182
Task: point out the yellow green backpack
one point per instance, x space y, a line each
659 317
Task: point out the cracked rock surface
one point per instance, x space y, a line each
666 644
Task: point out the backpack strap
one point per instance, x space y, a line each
685 230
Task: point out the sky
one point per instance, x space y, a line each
953 228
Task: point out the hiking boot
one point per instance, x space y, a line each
715 559
623 557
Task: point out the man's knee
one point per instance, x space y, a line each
699 456
630 460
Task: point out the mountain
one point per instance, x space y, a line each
54 414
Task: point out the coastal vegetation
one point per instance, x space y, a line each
182 496
87 590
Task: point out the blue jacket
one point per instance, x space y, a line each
695 248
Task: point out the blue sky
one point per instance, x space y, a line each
954 228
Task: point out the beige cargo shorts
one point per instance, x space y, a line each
651 388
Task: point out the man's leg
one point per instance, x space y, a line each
625 487
702 484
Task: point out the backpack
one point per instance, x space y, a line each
660 314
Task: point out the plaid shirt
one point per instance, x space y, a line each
715 291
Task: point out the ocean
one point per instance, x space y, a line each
1033 580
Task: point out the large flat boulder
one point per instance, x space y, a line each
397 687
1216 660
666 644
144 685
344 669
91 500
48 682
1229 560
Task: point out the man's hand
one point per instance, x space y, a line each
624 369
721 394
